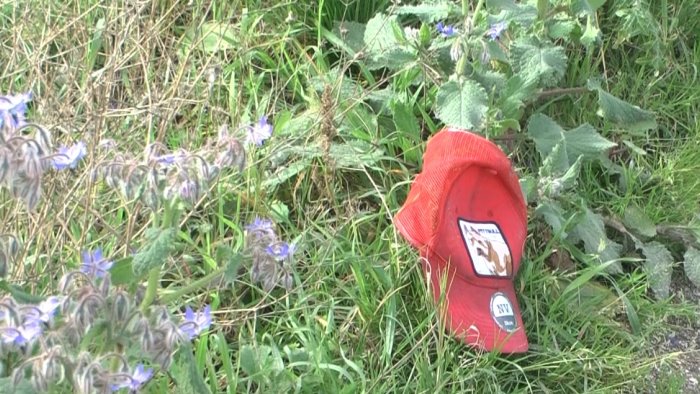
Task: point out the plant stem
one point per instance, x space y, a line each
196 285
151 289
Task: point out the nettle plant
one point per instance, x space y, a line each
104 331
483 69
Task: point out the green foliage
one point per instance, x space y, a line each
625 115
159 244
539 63
462 103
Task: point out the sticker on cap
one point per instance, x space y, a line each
502 312
488 250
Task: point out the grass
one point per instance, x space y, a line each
358 318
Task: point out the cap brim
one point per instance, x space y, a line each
466 311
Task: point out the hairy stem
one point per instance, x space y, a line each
194 286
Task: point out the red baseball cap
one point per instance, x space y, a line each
466 214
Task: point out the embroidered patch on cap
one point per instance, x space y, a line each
502 312
488 250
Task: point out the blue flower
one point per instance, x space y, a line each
46 310
171 158
496 30
259 225
258 133
135 380
280 250
68 157
22 334
195 323
13 108
445 30
94 265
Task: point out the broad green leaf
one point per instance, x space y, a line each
431 12
583 140
553 214
248 359
659 267
556 162
622 113
184 370
542 63
383 48
341 86
591 231
691 265
404 119
586 7
212 37
491 81
287 172
355 154
159 244
122 272
561 29
635 219
528 185
352 35
513 97
591 34
226 256
462 104
510 11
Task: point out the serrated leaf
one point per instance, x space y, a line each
247 358
561 29
122 272
352 35
383 48
355 154
226 255
428 12
583 140
553 214
622 113
591 231
462 104
635 219
556 163
541 63
510 11
159 244
287 172
212 37
341 86
691 265
184 371
659 267
514 95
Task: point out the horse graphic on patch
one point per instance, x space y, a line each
488 250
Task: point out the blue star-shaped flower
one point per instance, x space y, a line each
94 264
260 132
195 323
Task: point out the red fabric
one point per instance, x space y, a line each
466 192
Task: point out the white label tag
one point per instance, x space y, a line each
487 248
502 312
